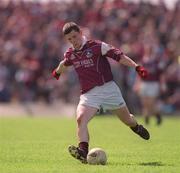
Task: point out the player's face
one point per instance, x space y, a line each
75 38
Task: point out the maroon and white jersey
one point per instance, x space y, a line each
91 63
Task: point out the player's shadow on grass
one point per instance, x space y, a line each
152 164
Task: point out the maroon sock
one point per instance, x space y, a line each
84 146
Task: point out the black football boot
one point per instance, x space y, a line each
141 131
78 153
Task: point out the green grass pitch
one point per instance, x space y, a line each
39 145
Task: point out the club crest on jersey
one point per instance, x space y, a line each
72 57
89 53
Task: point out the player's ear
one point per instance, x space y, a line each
65 38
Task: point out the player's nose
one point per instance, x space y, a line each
73 42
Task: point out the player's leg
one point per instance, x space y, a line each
149 96
150 108
158 117
113 100
146 108
84 115
153 109
127 118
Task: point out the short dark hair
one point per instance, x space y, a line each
70 26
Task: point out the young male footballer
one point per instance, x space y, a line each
90 60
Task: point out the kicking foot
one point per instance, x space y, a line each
77 153
141 131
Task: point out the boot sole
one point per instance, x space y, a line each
74 153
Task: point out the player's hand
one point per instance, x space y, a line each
55 74
142 72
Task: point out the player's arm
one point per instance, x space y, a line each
120 57
61 67
125 60
59 70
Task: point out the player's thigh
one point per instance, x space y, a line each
85 113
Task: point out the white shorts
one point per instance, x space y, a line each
107 96
149 89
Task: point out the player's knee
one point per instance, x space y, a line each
79 119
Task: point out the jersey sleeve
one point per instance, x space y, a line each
111 51
67 58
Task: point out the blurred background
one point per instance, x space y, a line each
31 46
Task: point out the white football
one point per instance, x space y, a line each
97 156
